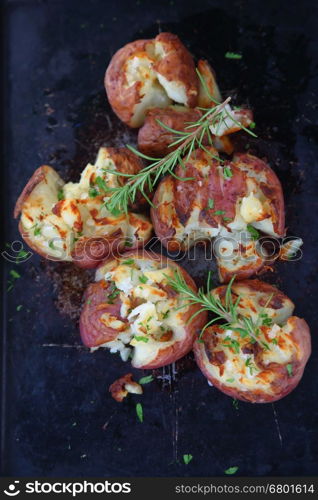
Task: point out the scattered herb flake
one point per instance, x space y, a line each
92 192
146 380
211 203
51 245
231 470
187 458
289 369
253 232
101 184
252 125
143 279
141 338
37 231
230 380
14 274
235 404
128 243
219 212
166 314
232 55
60 195
139 411
19 307
128 262
227 173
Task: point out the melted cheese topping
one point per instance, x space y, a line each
154 321
234 360
57 215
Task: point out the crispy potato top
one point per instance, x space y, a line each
58 219
262 367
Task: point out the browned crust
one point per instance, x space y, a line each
38 176
153 139
123 100
208 75
178 65
284 383
117 388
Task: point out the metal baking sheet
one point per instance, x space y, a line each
58 418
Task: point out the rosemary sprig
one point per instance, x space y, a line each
185 142
228 312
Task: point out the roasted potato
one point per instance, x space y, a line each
264 367
226 201
155 140
150 73
71 222
132 309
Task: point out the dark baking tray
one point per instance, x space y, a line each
57 415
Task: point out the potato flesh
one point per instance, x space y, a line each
80 214
155 315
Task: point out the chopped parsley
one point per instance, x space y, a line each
14 274
128 243
92 192
166 314
128 262
187 458
231 470
230 380
140 338
227 173
60 195
266 320
289 369
139 411
51 245
19 307
101 184
114 292
219 212
232 55
143 279
253 232
146 380
210 203
252 125
37 231
235 404
232 343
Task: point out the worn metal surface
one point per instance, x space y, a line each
59 417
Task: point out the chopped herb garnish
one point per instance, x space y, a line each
146 380
234 344
219 212
128 262
252 125
289 369
227 173
187 458
128 243
89 301
235 404
101 184
231 470
19 307
114 292
210 203
92 192
275 341
14 274
165 314
232 55
266 320
37 231
51 245
113 210
60 195
253 232
230 380
139 411
140 338
143 278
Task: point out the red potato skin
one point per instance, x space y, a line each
272 188
117 388
166 218
38 176
166 355
178 65
153 139
93 331
123 100
284 383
